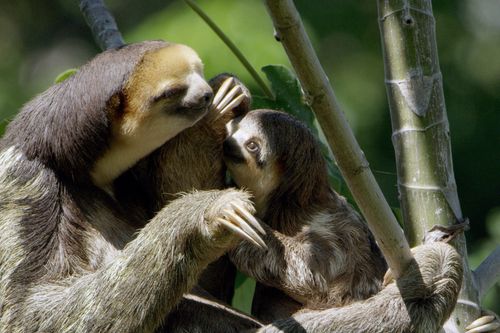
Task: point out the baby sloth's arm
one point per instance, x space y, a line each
330 262
320 252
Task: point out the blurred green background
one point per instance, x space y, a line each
40 39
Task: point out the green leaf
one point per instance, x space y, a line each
288 93
244 288
64 75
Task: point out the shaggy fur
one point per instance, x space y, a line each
191 160
72 258
320 252
81 251
419 302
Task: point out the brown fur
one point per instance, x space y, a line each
419 302
72 257
207 314
320 253
191 160
79 257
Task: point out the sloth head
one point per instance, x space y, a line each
165 94
277 158
118 108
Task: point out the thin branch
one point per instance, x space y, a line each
488 272
101 23
349 157
244 61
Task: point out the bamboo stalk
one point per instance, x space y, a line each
348 155
421 140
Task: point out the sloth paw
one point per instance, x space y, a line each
488 323
235 215
230 95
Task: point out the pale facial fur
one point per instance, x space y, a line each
257 173
166 94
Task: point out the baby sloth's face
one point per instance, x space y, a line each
249 156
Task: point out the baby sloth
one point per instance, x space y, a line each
320 252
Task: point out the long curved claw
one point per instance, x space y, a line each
242 225
222 91
231 227
249 217
484 324
228 98
234 103
240 222
388 277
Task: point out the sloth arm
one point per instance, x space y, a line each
420 301
144 281
302 265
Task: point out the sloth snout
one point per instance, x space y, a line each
202 100
232 151
207 97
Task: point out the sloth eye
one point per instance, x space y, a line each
252 146
174 92
171 93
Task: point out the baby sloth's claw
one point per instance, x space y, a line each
242 225
483 324
230 96
222 91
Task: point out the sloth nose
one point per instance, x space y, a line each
232 151
228 146
207 97
204 99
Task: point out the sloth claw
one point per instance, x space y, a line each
234 103
249 217
222 90
242 225
483 324
228 98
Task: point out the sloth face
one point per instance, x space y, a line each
165 94
249 156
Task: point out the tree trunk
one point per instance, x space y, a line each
421 140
